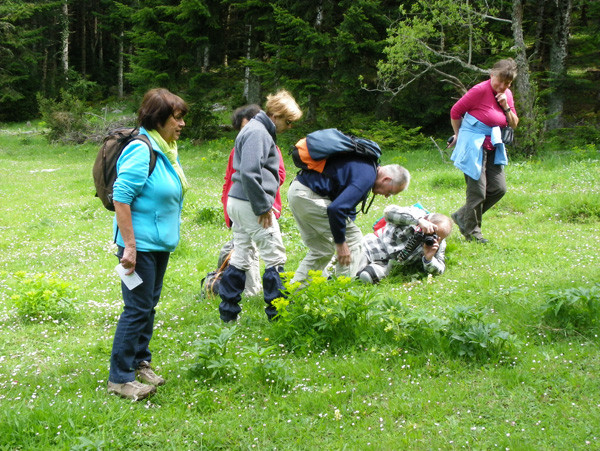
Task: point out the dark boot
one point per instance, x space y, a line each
230 289
272 289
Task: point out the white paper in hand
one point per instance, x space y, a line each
132 280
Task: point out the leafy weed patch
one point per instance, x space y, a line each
40 297
341 313
573 310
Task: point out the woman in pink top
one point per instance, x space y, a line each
479 152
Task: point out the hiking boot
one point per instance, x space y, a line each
145 374
134 390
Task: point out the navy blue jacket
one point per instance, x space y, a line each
346 181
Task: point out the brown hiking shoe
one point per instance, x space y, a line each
145 374
134 390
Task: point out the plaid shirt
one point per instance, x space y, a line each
386 243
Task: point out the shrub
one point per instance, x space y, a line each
582 140
202 121
342 313
390 135
64 118
40 297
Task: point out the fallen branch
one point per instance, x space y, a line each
445 158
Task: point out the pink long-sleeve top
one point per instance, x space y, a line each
480 102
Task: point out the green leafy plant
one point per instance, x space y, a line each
332 313
464 334
417 330
215 361
573 309
209 215
39 297
211 359
470 336
268 368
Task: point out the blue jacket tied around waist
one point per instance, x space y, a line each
468 154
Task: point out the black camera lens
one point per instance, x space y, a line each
429 240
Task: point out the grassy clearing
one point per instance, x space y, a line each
379 392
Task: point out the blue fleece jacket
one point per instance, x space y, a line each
345 181
156 201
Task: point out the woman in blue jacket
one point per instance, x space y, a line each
148 211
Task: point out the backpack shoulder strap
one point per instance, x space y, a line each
146 141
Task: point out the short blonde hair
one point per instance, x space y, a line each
283 104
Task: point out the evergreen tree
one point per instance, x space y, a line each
20 60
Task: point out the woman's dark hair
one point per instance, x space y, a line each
244 112
158 104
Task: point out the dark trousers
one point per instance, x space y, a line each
231 287
136 323
481 195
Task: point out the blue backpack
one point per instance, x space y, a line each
312 152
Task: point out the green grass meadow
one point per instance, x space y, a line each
375 391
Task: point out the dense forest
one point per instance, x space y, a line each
402 61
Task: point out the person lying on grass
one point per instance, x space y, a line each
406 236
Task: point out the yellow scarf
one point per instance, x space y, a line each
170 150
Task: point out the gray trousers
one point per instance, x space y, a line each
481 195
310 211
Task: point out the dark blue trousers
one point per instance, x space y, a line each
232 285
136 323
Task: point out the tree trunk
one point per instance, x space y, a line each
83 41
539 31
65 39
120 64
530 125
247 70
311 114
558 57
226 37
525 90
206 59
44 72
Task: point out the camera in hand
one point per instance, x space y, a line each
428 240
418 238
